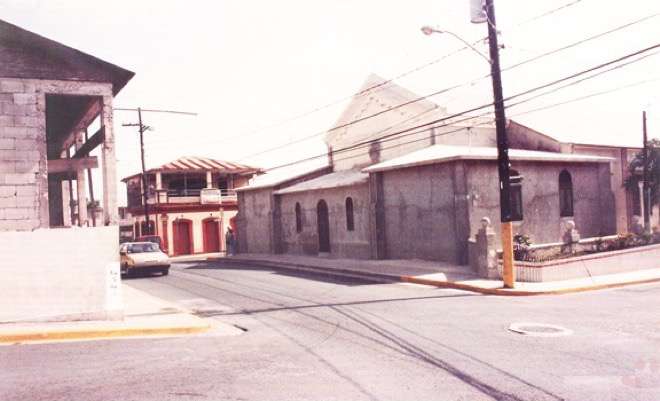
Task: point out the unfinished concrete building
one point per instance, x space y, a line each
59 264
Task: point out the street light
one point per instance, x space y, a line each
484 11
428 30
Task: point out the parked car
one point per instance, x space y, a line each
152 238
143 256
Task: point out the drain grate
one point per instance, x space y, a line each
540 329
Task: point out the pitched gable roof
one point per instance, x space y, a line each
24 54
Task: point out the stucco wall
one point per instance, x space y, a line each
60 274
592 198
343 243
420 214
255 221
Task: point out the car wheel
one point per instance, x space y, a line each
165 271
124 270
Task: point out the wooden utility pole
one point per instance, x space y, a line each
141 129
145 194
646 189
508 274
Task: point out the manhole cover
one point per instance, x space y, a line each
540 329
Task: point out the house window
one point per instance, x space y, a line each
515 195
298 218
350 222
565 194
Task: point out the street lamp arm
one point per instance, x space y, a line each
427 30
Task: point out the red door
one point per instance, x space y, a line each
211 229
182 237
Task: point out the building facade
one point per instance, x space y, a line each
191 201
415 184
56 124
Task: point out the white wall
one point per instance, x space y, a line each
60 274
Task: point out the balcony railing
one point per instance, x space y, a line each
205 196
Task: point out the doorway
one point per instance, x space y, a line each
323 223
211 231
182 237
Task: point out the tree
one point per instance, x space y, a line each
636 167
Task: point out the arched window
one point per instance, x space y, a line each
350 222
515 195
298 218
565 194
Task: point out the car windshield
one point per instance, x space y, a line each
140 248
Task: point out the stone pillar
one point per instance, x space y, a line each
209 180
66 203
570 238
485 255
109 166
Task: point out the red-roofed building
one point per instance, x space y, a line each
190 202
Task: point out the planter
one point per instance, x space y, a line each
620 261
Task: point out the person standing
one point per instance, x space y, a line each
230 242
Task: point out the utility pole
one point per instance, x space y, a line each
508 275
141 129
646 192
145 194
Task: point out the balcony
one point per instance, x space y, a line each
195 196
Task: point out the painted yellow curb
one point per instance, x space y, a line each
99 333
518 293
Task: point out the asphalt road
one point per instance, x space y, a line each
315 338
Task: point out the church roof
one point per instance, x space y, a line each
24 54
333 180
445 153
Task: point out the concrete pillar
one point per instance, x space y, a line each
209 180
461 214
109 166
81 192
66 203
640 186
484 258
81 186
159 181
377 240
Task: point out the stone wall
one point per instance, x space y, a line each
255 221
343 243
420 213
593 200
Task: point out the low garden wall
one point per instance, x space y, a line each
619 261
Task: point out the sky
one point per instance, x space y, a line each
246 67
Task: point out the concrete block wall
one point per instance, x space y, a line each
60 274
254 221
23 179
343 243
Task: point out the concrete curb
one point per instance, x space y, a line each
387 278
88 334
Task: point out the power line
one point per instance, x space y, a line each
470 82
385 82
468 111
543 86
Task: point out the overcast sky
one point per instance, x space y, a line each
248 64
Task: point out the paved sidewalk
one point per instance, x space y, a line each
439 274
144 315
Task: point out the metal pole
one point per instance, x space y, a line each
645 177
508 275
144 174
